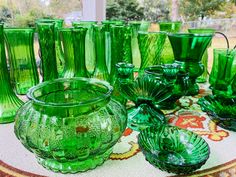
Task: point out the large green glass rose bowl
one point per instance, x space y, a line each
71 124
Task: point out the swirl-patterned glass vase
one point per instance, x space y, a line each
71 124
150 46
188 50
9 102
173 149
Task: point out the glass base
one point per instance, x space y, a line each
193 90
201 80
74 166
5 120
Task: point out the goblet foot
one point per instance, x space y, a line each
74 166
192 90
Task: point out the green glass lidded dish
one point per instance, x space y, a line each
71 124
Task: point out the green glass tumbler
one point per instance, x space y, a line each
46 32
9 102
89 44
188 50
137 26
59 53
203 77
223 71
20 48
151 45
71 124
167 56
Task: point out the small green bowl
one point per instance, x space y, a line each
173 149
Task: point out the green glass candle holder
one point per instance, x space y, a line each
167 56
20 48
188 50
223 71
203 77
150 46
71 124
9 102
173 149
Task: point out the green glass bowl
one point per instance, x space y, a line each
220 110
173 149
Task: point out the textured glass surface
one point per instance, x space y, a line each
173 149
59 53
20 48
101 71
150 46
89 44
223 70
71 124
137 26
167 55
203 77
188 50
221 110
146 92
9 102
46 32
120 47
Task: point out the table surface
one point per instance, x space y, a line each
127 160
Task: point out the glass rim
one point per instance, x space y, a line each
15 28
124 65
152 32
189 35
169 22
95 100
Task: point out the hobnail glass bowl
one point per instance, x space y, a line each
173 149
71 124
220 110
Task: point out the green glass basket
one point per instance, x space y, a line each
71 124
173 149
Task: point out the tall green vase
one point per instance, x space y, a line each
121 50
20 47
167 56
203 77
9 102
89 44
67 45
59 53
48 53
151 45
107 25
188 50
79 35
137 26
101 71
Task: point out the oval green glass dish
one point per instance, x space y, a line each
71 124
221 110
173 149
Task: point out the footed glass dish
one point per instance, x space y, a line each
71 124
173 149
221 110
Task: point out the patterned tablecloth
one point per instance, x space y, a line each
127 160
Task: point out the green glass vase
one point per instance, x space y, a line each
223 71
71 124
188 50
203 77
121 50
101 71
151 45
107 25
9 102
167 56
48 53
89 44
79 36
137 26
20 48
59 53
